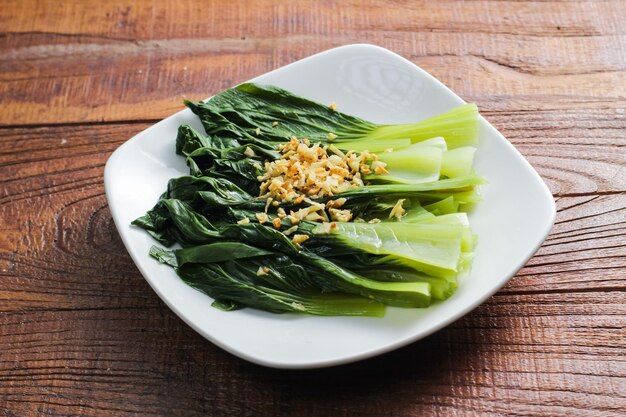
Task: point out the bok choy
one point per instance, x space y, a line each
293 206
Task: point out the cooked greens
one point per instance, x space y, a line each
279 114
287 208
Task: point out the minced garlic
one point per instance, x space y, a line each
326 228
340 215
336 203
379 167
290 230
315 217
293 219
306 170
297 239
397 211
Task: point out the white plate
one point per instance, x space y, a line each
376 84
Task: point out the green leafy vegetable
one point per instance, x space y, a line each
406 243
238 112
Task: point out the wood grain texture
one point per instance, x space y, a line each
61 67
145 361
81 332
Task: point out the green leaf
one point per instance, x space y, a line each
214 281
432 245
218 252
164 256
280 114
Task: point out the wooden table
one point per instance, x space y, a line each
81 332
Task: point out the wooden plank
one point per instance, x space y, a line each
553 354
575 151
585 250
118 19
59 66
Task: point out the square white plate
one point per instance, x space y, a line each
373 83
